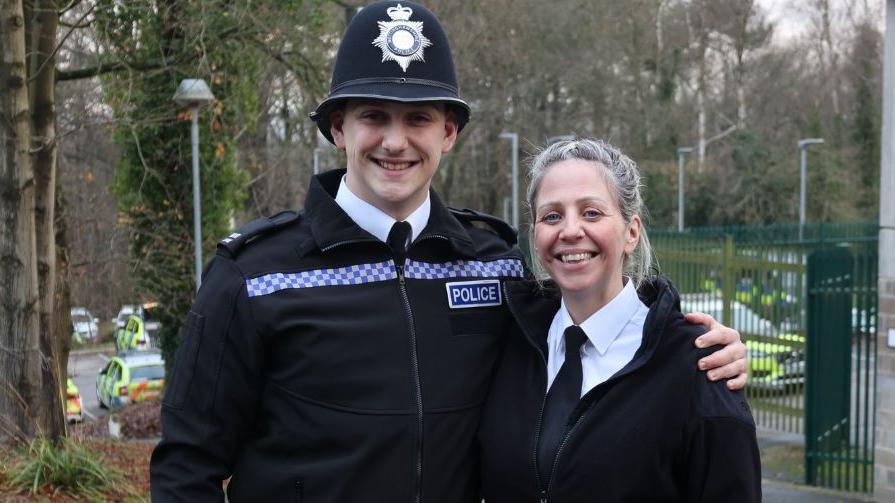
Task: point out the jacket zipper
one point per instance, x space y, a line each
587 399
414 358
534 454
430 236
544 492
347 242
565 439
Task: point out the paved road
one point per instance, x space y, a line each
82 368
781 492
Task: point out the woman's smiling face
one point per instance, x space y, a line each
579 233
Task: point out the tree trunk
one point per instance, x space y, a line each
699 44
19 355
700 118
744 13
62 326
828 56
42 75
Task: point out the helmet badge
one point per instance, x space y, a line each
400 39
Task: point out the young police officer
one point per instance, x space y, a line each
343 354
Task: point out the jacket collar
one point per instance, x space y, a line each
604 326
331 226
445 225
534 305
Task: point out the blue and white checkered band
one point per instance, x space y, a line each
464 269
382 271
340 276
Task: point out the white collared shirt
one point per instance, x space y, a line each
613 335
376 221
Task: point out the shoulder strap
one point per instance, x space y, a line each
503 229
256 228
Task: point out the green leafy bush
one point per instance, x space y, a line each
66 466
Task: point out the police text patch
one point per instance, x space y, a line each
462 294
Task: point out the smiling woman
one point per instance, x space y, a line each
598 396
581 237
594 190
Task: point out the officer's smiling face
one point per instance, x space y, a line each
393 150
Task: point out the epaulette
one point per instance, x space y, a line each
255 229
503 229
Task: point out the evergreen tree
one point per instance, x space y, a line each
153 182
866 123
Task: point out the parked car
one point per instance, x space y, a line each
130 378
73 410
84 325
777 366
139 332
126 311
133 337
776 358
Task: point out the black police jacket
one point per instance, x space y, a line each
656 431
314 368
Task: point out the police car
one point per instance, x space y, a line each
134 336
776 357
130 378
139 330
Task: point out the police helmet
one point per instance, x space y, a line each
393 51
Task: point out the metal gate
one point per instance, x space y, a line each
841 368
812 355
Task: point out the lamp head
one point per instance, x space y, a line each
810 141
192 92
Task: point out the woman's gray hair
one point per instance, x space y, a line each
621 175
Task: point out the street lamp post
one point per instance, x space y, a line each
803 146
680 186
514 141
193 93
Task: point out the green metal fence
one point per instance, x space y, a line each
840 370
756 279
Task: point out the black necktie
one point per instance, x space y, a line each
399 240
561 401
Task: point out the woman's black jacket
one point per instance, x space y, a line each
657 431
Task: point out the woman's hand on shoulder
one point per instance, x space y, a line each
728 362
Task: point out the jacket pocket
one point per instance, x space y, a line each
178 387
475 322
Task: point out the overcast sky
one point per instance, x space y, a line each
790 19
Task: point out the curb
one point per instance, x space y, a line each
107 350
838 496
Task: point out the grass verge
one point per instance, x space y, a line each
73 470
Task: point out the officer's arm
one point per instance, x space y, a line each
728 362
210 399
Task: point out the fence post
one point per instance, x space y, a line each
728 285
